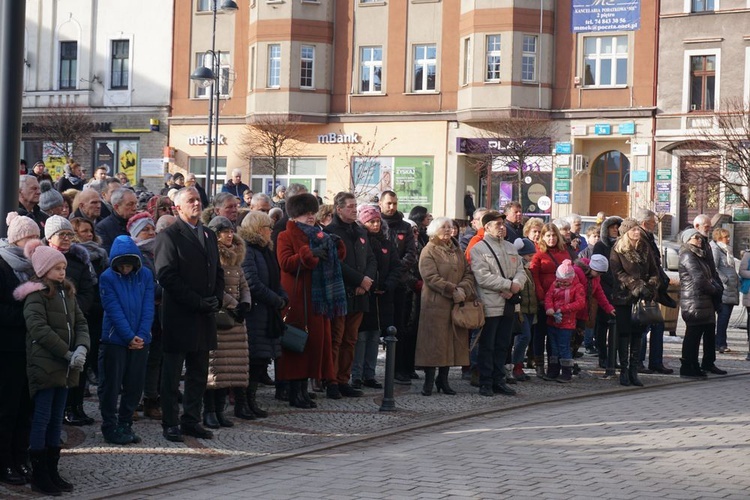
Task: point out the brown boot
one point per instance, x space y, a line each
152 408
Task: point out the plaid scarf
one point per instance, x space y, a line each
327 288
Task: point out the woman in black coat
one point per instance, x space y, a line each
698 293
16 407
263 321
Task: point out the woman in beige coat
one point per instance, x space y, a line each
447 281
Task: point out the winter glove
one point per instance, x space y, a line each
243 308
78 359
459 295
557 317
209 304
321 253
646 294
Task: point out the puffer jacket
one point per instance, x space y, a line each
543 268
228 363
727 274
697 287
635 273
55 326
127 299
604 247
492 280
568 300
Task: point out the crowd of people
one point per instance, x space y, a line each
132 292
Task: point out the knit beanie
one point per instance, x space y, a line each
627 224
565 270
20 227
219 224
138 223
55 224
599 263
49 198
368 213
43 258
524 246
688 233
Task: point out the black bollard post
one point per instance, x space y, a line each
611 349
389 403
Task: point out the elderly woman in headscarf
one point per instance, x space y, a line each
311 274
15 412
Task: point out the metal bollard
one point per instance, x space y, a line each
611 349
389 403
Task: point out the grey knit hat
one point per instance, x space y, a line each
49 198
55 224
220 223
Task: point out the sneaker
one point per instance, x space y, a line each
372 384
127 430
592 351
116 436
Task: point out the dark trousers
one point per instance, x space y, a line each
600 332
344 333
15 410
215 400
407 339
122 372
494 343
153 369
47 419
539 336
196 376
692 342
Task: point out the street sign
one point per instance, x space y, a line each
663 174
664 187
562 173
562 198
562 185
603 129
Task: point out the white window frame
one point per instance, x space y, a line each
307 63
424 63
467 76
58 79
686 72
370 66
530 56
688 7
206 59
273 78
598 57
128 84
491 52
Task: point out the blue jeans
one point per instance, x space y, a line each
656 354
47 420
588 338
722 322
493 344
559 342
122 372
366 355
521 341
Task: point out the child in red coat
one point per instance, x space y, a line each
562 302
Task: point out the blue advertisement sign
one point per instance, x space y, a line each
602 129
563 148
605 15
562 198
627 128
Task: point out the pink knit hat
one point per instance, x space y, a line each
565 271
368 213
20 227
43 258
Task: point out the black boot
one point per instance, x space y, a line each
441 382
295 395
53 458
252 404
622 353
221 404
209 409
429 381
41 480
306 395
241 409
282 390
635 351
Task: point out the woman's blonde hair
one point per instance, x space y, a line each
255 220
625 244
324 211
532 223
550 228
719 233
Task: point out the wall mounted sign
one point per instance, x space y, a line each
603 129
562 185
663 174
563 148
562 198
626 128
605 15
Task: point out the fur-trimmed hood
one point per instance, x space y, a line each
253 238
206 215
604 231
234 255
26 289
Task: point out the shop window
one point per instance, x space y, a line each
197 166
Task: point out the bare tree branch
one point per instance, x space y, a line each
67 129
273 138
362 159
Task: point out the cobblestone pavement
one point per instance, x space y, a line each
680 442
100 470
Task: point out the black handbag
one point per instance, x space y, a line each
646 313
224 321
516 297
294 339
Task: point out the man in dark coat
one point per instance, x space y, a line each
89 206
513 221
188 269
358 269
401 234
28 200
124 206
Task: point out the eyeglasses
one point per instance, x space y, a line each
65 235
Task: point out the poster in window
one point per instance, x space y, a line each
129 160
413 181
54 160
105 156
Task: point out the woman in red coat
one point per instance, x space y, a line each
551 252
311 275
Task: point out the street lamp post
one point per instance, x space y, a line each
210 77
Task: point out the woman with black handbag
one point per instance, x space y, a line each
311 274
699 291
636 278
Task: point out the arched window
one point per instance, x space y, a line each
610 172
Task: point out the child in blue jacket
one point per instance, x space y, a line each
127 292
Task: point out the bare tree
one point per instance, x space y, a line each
272 139
362 160
66 129
510 143
728 138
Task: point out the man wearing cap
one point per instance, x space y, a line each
28 200
124 206
499 273
192 293
39 170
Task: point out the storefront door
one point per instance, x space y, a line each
699 190
610 178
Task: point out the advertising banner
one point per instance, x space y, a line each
605 15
